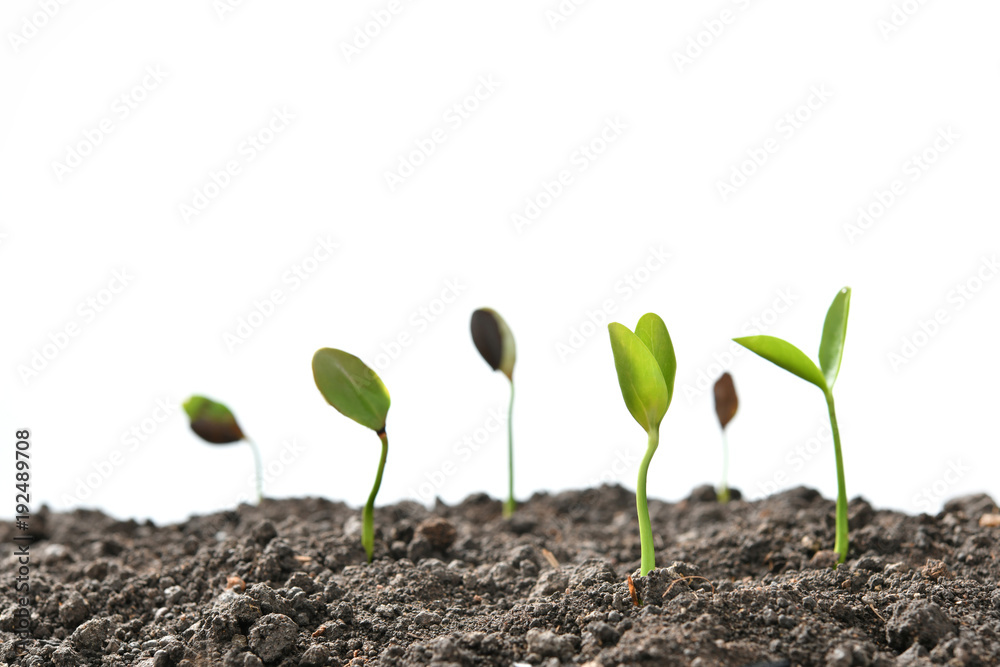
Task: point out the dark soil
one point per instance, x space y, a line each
286 584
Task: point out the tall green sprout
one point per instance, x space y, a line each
356 391
793 360
495 343
646 368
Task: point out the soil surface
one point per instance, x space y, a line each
285 584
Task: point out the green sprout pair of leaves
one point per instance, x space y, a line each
214 423
357 392
793 360
646 367
495 343
726 404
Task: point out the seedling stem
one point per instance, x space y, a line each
648 561
724 487
511 504
258 467
368 515
840 544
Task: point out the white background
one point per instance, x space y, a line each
892 78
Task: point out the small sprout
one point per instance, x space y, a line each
214 423
726 404
793 360
646 368
356 392
495 342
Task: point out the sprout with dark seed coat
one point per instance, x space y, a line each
726 403
214 423
495 343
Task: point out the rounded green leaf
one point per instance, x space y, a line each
212 421
653 333
785 355
351 387
640 377
494 340
831 346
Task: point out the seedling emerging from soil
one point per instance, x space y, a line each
646 367
495 342
356 392
793 360
214 423
726 404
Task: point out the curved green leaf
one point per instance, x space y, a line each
494 340
785 355
351 387
212 421
653 333
640 377
831 346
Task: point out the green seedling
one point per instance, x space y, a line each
214 423
726 403
355 391
495 342
646 368
793 360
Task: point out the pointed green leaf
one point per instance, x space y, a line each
653 333
212 421
494 340
786 355
351 387
640 377
831 347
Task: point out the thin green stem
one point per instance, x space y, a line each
645 530
842 542
368 515
259 469
511 504
724 489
